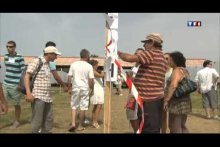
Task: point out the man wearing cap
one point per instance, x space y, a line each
53 70
40 97
206 79
149 80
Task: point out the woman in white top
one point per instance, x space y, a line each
98 98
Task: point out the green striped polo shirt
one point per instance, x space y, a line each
14 66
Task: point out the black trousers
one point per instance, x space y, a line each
152 116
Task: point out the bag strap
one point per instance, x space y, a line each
40 64
183 71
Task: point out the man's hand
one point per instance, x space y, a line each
3 108
65 88
165 105
29 97
70 91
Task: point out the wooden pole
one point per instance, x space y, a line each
107 102
107 108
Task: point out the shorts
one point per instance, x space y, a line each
80 99
132 114
210 99
12 95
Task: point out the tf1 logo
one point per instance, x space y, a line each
194 23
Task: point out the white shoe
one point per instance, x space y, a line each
86 121
216 117
15 125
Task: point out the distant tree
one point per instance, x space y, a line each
94 55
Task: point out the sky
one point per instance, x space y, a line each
75 31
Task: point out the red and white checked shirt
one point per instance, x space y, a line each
42 83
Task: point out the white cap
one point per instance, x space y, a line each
51 49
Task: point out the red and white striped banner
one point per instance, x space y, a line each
112 24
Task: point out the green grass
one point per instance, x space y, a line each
197 107
62 114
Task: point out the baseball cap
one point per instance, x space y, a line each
52 49
153 36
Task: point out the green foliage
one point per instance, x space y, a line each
94 55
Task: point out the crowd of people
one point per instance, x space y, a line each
156 80
156 75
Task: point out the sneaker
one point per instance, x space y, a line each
216 117
87 121
15 125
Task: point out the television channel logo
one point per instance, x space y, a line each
194 23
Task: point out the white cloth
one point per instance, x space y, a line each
167 76
132 114
134 70
98 97
205 77
81 71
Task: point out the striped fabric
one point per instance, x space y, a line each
149 80
14 66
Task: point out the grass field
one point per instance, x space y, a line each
62 114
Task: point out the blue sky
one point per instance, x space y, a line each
74 31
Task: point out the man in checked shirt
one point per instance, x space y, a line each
40 97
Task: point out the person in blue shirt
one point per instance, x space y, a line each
52 66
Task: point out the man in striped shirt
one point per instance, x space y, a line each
14 64
149 80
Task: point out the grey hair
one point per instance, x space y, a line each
84 53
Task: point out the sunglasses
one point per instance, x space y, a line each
9 46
